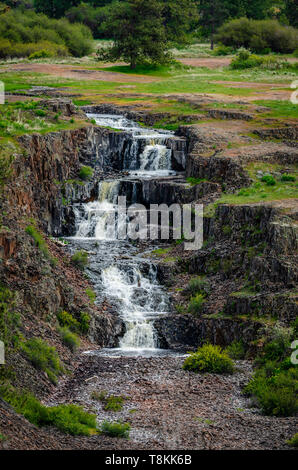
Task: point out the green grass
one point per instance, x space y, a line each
69 339
115 429
194 181
114 403
38 239
161 251
279 109
91 294
80 259
294 441
43 357
261 192
70 419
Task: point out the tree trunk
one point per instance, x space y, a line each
133 64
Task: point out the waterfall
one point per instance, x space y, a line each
118 273
146 153
139 299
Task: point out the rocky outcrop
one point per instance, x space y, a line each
284 133
185 332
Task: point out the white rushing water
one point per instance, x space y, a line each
154 160
128 281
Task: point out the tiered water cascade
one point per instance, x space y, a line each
125 278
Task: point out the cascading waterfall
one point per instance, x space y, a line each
148 154
131 283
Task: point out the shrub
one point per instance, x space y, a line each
67 320
27 33
43 357
38 238
86 173
274 384
114 403
70 339
80 259
70 419
245 60
222 50
269 180
286 177
209 358
99 396
91 294
196 304
84 322
116 429
236 350
259 36
294 441
198 285
275 390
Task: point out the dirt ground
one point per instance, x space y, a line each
70 71
169 408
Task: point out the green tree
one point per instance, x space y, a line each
138 32
213 13
291 12
54 8
180 18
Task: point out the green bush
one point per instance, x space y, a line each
196 304
275 390
80 259
236 350
198 285
70 339
67 320
269 180
84 322
25 33
294 441
222 50
86 173
258 36
116 429
70 419
209 358
114 403
91 294
43 357
286 177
